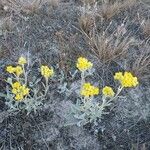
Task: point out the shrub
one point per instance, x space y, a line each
22 93
87 108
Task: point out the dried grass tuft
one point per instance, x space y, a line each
141 65
86 22
108 10
87 18
109 47
146 27
88 2
27 6
7 24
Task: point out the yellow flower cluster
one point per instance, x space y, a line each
88 90
46 71
83 64
16 70
126 79
10 69
19 90
22 61
108 91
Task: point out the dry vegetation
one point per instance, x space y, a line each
7 24
109 47
108 9
141 64
26 6
146 27
113 45
86 22
87 2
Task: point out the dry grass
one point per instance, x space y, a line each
22 5
7 24
86 22
139 146
146 27
53 3
90 2
108 47
27 6
141 64
145 2
108 10
69 51
87 18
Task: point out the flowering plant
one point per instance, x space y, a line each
22 93
89 109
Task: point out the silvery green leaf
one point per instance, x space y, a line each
31 84
105 113
78 103
71 122
82 116
9 80
33 78
89 72
62 87
73 74
3 95
79 124
82 122
35 81
75 108
43 85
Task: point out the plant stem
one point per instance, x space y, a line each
25 75
107 103
82 78
118 92
46 86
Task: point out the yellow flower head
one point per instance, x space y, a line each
18 70
129 80
118 76
46 71
22 61
25 91
108 91
126 79
16 85
83 64
88 90
10 69
19 97
19 90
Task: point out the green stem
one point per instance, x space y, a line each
82 78
16 77
103 105
25 75
46 86
106 103
118 92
